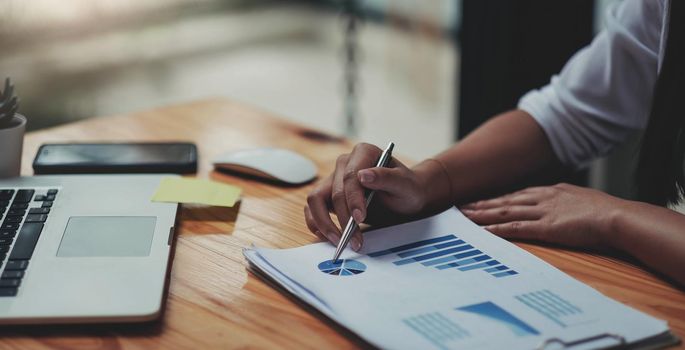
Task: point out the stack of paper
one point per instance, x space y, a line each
445 283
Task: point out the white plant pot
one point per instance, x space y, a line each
11 144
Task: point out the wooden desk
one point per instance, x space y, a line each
213 301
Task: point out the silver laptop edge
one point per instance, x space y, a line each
102 254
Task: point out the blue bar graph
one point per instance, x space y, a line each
505 274
456 257
554 307
479 266
468 267
496 269
446 252
463 262
412 245
430 248
437 329
437 254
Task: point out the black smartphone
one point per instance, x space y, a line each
116 158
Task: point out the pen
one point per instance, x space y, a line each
351 224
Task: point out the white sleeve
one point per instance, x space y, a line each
604 91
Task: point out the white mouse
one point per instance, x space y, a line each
271 163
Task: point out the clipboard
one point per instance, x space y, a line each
658 341
618 342
486 315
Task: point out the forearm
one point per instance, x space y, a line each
653 234
502 152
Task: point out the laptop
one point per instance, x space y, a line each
83 249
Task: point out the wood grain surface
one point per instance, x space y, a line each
213 301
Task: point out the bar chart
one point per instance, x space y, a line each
437 329
554 307
446 252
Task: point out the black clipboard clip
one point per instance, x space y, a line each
620 341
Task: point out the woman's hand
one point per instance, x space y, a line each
561 214
399 190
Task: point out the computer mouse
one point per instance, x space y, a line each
271 163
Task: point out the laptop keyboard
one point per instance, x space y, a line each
23 213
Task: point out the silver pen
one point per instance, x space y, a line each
351 224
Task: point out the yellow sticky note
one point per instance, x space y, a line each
190 190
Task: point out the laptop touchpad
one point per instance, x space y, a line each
91 236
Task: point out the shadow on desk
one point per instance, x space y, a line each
220 175
208 219
210 213
102 331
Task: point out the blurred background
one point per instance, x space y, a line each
421 73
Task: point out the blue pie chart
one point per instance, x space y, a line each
342 267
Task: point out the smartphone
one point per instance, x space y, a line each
116 158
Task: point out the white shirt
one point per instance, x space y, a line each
604 92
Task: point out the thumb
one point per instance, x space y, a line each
390 180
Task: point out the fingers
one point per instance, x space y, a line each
503 214
317 205
516 229
362 157
391 180
516 215
338 198
343 194
357 241
398 188
311 224
516 198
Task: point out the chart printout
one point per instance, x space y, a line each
446 283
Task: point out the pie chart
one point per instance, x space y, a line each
342 267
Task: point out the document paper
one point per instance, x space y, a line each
446 283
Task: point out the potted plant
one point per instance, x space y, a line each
12 127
